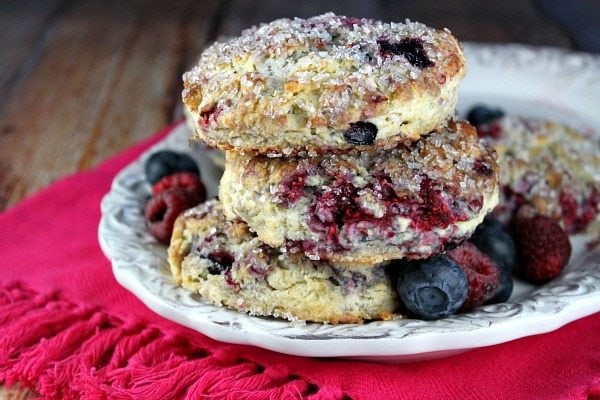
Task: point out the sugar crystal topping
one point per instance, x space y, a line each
544 163
288 49
449 157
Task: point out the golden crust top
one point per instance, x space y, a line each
376 206
228 265
308 79
549 166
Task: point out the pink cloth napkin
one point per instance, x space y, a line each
69 331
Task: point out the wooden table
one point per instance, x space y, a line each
83 80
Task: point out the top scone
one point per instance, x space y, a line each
327 84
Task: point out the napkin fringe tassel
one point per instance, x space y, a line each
61 350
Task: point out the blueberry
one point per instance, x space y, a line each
163 163
494 240
361 133
411 48
504 289
221 261
433 288
480 115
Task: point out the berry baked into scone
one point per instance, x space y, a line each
547 165
409 202
327 84
228 265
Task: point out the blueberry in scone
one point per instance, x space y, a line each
302 86
228 265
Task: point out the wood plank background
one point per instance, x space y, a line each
83 80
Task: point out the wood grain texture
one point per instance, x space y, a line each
22 28
242 14
86 79
469 20
494 21
108 75
82 80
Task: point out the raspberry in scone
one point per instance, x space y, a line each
228 265
547 165
410 202
326 84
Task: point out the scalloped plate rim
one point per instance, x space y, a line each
422 345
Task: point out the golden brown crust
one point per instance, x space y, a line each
228 265
295 86
368 208
549 166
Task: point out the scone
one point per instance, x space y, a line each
549 166
327 84
367 208
228 265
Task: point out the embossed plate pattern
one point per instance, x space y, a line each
523 80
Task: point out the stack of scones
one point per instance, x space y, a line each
342 157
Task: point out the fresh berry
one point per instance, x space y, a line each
432 288
412 49
361 133
480 115
504 289
291 189
162 210
163 163
543 247
494 240
483 274
187 181
221 261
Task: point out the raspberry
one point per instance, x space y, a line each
434 211
163 209
188 181
209 115
543 247
576 216
482 273
291 189
350 21
482 168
